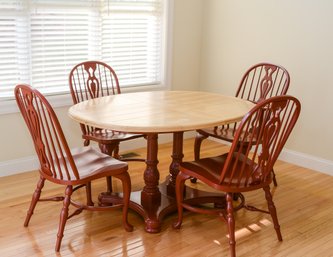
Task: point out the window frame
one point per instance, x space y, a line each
64 99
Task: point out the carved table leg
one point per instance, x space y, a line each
151 195
177 157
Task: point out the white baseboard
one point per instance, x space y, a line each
304 160
307 161
18 166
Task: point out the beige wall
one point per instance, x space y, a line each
187 34
214 41
296 34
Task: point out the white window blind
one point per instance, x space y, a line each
14 51
41 40
133 40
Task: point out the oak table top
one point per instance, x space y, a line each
160 111
151 113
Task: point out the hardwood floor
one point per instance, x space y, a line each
303 199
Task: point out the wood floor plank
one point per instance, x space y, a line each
303 199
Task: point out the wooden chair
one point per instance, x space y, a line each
93 79
247 166
58 164
259 82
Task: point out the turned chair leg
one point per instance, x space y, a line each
111 150
88 194
274 179
116 152
197 146
126 184
180 186
231 224
272 211
109 184
63 216
34 200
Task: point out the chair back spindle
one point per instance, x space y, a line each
262 81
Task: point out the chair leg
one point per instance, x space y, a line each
109 184
180 184
126 183
88 194
116 151
112 150
197 146
34 200
231 224
272 211
63 216
274 178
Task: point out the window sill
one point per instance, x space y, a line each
62 100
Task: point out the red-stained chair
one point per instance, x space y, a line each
93 79
257 143
58 164
259 82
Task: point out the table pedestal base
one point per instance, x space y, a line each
153 211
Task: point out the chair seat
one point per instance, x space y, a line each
93 164
208 170
104 136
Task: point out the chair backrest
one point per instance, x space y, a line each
258 141
262 81
92 79
259 82
55 158
89 80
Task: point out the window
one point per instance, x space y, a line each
41 40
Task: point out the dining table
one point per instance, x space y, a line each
153 113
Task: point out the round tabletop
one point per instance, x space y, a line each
160 111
